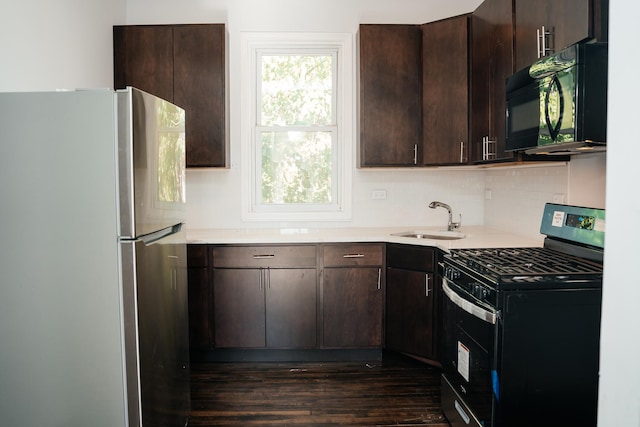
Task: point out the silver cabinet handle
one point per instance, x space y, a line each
489 148
264 278
426 285
379 276
462 152
415 154
541 36
353 256
264 256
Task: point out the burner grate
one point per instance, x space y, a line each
509 262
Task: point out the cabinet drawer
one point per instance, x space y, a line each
353 255
265 256
410 257
197 256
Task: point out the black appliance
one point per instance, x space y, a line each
558 105
522 327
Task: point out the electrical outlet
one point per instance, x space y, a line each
488 194
379 194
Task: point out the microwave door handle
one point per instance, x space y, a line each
554 130
472 309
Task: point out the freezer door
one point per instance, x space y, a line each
151 163
156 331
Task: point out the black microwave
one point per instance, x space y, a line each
558 105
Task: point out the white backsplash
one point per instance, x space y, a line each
506 198
518 195
213 199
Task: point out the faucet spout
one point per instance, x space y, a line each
450 224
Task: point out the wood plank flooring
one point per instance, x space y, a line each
392 392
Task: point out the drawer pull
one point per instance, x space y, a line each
353 256
265 256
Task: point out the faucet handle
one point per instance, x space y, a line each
455 225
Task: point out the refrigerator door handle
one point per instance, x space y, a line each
151 238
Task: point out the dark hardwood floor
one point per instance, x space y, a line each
395 391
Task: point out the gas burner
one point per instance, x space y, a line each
526 262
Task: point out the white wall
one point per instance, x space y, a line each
65 44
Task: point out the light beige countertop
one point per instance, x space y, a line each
476 236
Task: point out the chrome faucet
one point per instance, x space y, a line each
450 225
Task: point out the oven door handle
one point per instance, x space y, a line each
488 316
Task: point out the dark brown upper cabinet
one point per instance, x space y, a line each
184 64
491 65
565 22
414 94
445 92
390 94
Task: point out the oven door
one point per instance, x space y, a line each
468 392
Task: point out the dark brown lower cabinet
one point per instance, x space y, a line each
264 308
274 302
412 301
200 297
239 308
353 295
291 308
352 307
410 317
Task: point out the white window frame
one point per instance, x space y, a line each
252 45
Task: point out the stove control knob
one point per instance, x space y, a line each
448 273
479 291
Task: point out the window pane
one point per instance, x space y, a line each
296 90
296 167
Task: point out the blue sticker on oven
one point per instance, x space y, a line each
496 384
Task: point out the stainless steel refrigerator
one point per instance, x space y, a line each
93 298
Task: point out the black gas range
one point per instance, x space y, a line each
521 327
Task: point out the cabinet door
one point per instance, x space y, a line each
492 64
199 88
291 308
445 91
410 312
352 307
200 297
530 16
143 58
390 95
239 308
184 64
568 21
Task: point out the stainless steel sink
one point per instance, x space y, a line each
435 235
